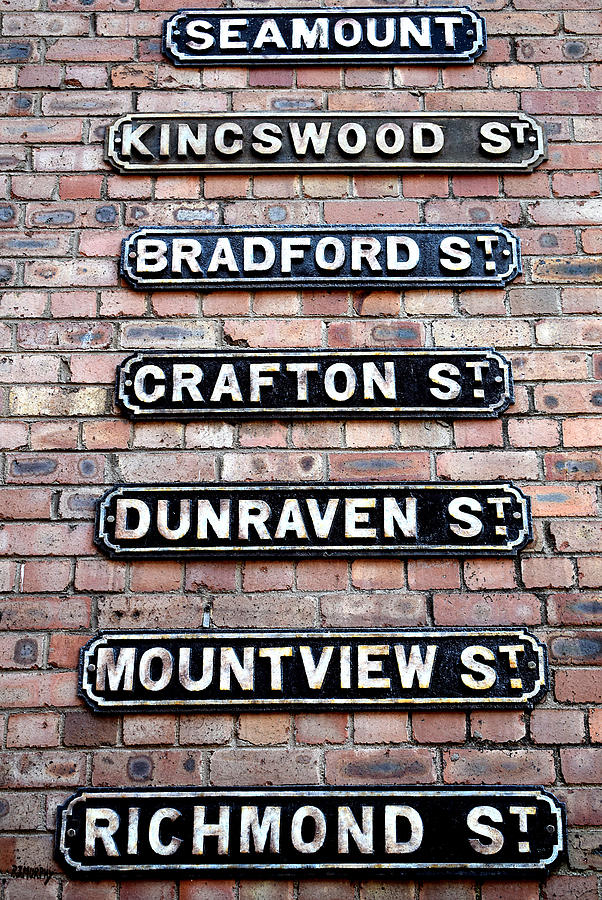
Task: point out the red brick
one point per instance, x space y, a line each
56 768
482 766
33 730
578 685
447 890
147 890
394 766
214 889
103 890
481 574
380 610
205 729
39 575
533 432
571 887
267 766
369 574
263 576
575 609
322 574
497 726
545 572
439 727
323 728
488 465
478 434
581 765
595 725
154 576
429 574
375 727
149 729
265 890
262 728
508 890
487 609
576 466
64 650
557 726
401 333
216 576
590 571
383 466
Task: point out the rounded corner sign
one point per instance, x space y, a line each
291 384
325 142
219 670
299 830
320 256
342 36
279 520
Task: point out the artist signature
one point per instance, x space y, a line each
36 872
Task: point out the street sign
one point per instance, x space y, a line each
234 671
325 142
321 256
146 521
260 384
299 831
393 36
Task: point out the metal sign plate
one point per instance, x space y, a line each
288 520
200 832
323 36
234 671
325 141
320 256
260 384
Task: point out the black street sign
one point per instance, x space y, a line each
260 384
320 256
325 141
234 671
291 520
303 830
323 36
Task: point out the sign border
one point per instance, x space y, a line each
179 58
557 809
258 551
229 166
527 700
301 282
137 413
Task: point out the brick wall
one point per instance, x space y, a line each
69 68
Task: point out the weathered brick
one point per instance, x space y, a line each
267 766
497 726
487 609
557 726
439 727
482 766
578 685
389 766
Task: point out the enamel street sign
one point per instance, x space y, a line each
302 830
233 671
289 520
320 256
259 384
323 36
325 141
